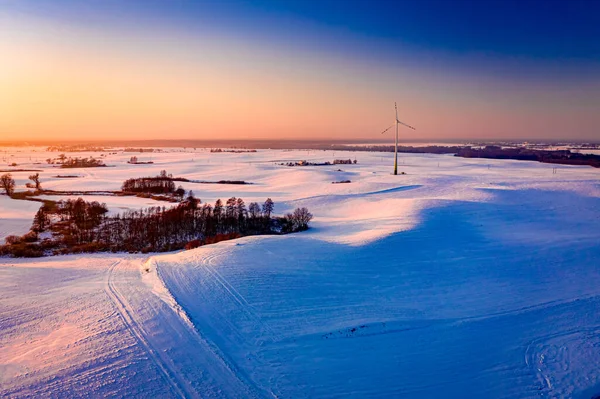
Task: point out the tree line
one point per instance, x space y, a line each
76 162
152 185
7 183
80 226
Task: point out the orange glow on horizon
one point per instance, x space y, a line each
77 85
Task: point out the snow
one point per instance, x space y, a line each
16 217
462 278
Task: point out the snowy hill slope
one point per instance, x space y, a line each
456 302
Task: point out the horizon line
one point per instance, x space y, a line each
161 142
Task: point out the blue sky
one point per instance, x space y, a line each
551 30
518 58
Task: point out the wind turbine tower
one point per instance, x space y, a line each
396 123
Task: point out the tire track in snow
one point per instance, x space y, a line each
243 304
228 370
127 315
264 331
221 367
356 195
550 357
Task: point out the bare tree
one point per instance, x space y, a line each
300 218
254 210
268 208
7 183
36 180
218 211
41 220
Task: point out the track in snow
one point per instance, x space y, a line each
189 363
164 364
218 364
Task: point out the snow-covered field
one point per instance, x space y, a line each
15 216
462 278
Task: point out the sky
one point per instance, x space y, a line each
267 69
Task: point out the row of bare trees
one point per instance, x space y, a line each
86 227
8 183
77 162
162 184
69 162
153 185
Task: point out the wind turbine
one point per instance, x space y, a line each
398 122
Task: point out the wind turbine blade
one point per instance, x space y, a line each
402 123
388 128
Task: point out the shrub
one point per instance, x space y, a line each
49 244
90 248
147 250
25 250
30 237
22 195
222 237
192 244
299 219
12 240
285 224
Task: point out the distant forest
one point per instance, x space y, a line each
144 145
510 150
563 157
